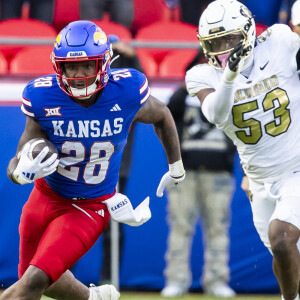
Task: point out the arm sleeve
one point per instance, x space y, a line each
217 105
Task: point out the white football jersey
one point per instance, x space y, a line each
264 122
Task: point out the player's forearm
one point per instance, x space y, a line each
217 105
167 133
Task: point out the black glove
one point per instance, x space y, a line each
236 54
235 57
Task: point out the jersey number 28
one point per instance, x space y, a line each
95 170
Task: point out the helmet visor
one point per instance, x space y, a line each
222 42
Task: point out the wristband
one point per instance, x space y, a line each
176 169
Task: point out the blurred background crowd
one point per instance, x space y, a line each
138 25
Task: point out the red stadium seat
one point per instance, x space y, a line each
174 65
260 28
165 32
24 28
148 64
148 12
33 60
65 11
3 64
114 28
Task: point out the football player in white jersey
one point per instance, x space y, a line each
251 90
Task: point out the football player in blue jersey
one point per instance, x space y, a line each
85 110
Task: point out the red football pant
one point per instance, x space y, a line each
55 234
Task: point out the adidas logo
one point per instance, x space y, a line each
100 212
30 176
116 108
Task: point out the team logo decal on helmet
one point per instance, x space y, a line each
100 37
57 41
246 12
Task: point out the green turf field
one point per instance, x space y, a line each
194 296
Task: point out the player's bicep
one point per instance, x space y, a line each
203 93
152 112
32 130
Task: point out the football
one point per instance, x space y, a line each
37 145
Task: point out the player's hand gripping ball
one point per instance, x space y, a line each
37 145
38 158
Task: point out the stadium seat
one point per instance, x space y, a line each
165 32
23 29
260 28
65 11
148 64
114 28
174 65
33 60
148 12
3 64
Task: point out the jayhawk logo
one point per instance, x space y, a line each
100 37
57 41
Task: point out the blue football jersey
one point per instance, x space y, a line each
90 140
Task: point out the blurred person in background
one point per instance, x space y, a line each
295 17
38 9
124 56
208 157
269 12
295 25
250 89
121 11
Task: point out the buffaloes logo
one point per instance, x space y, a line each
246 12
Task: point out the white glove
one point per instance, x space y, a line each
106 291
121 210
29 170
172 178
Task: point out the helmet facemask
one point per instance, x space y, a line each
90 84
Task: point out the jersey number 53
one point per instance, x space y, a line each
253 128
